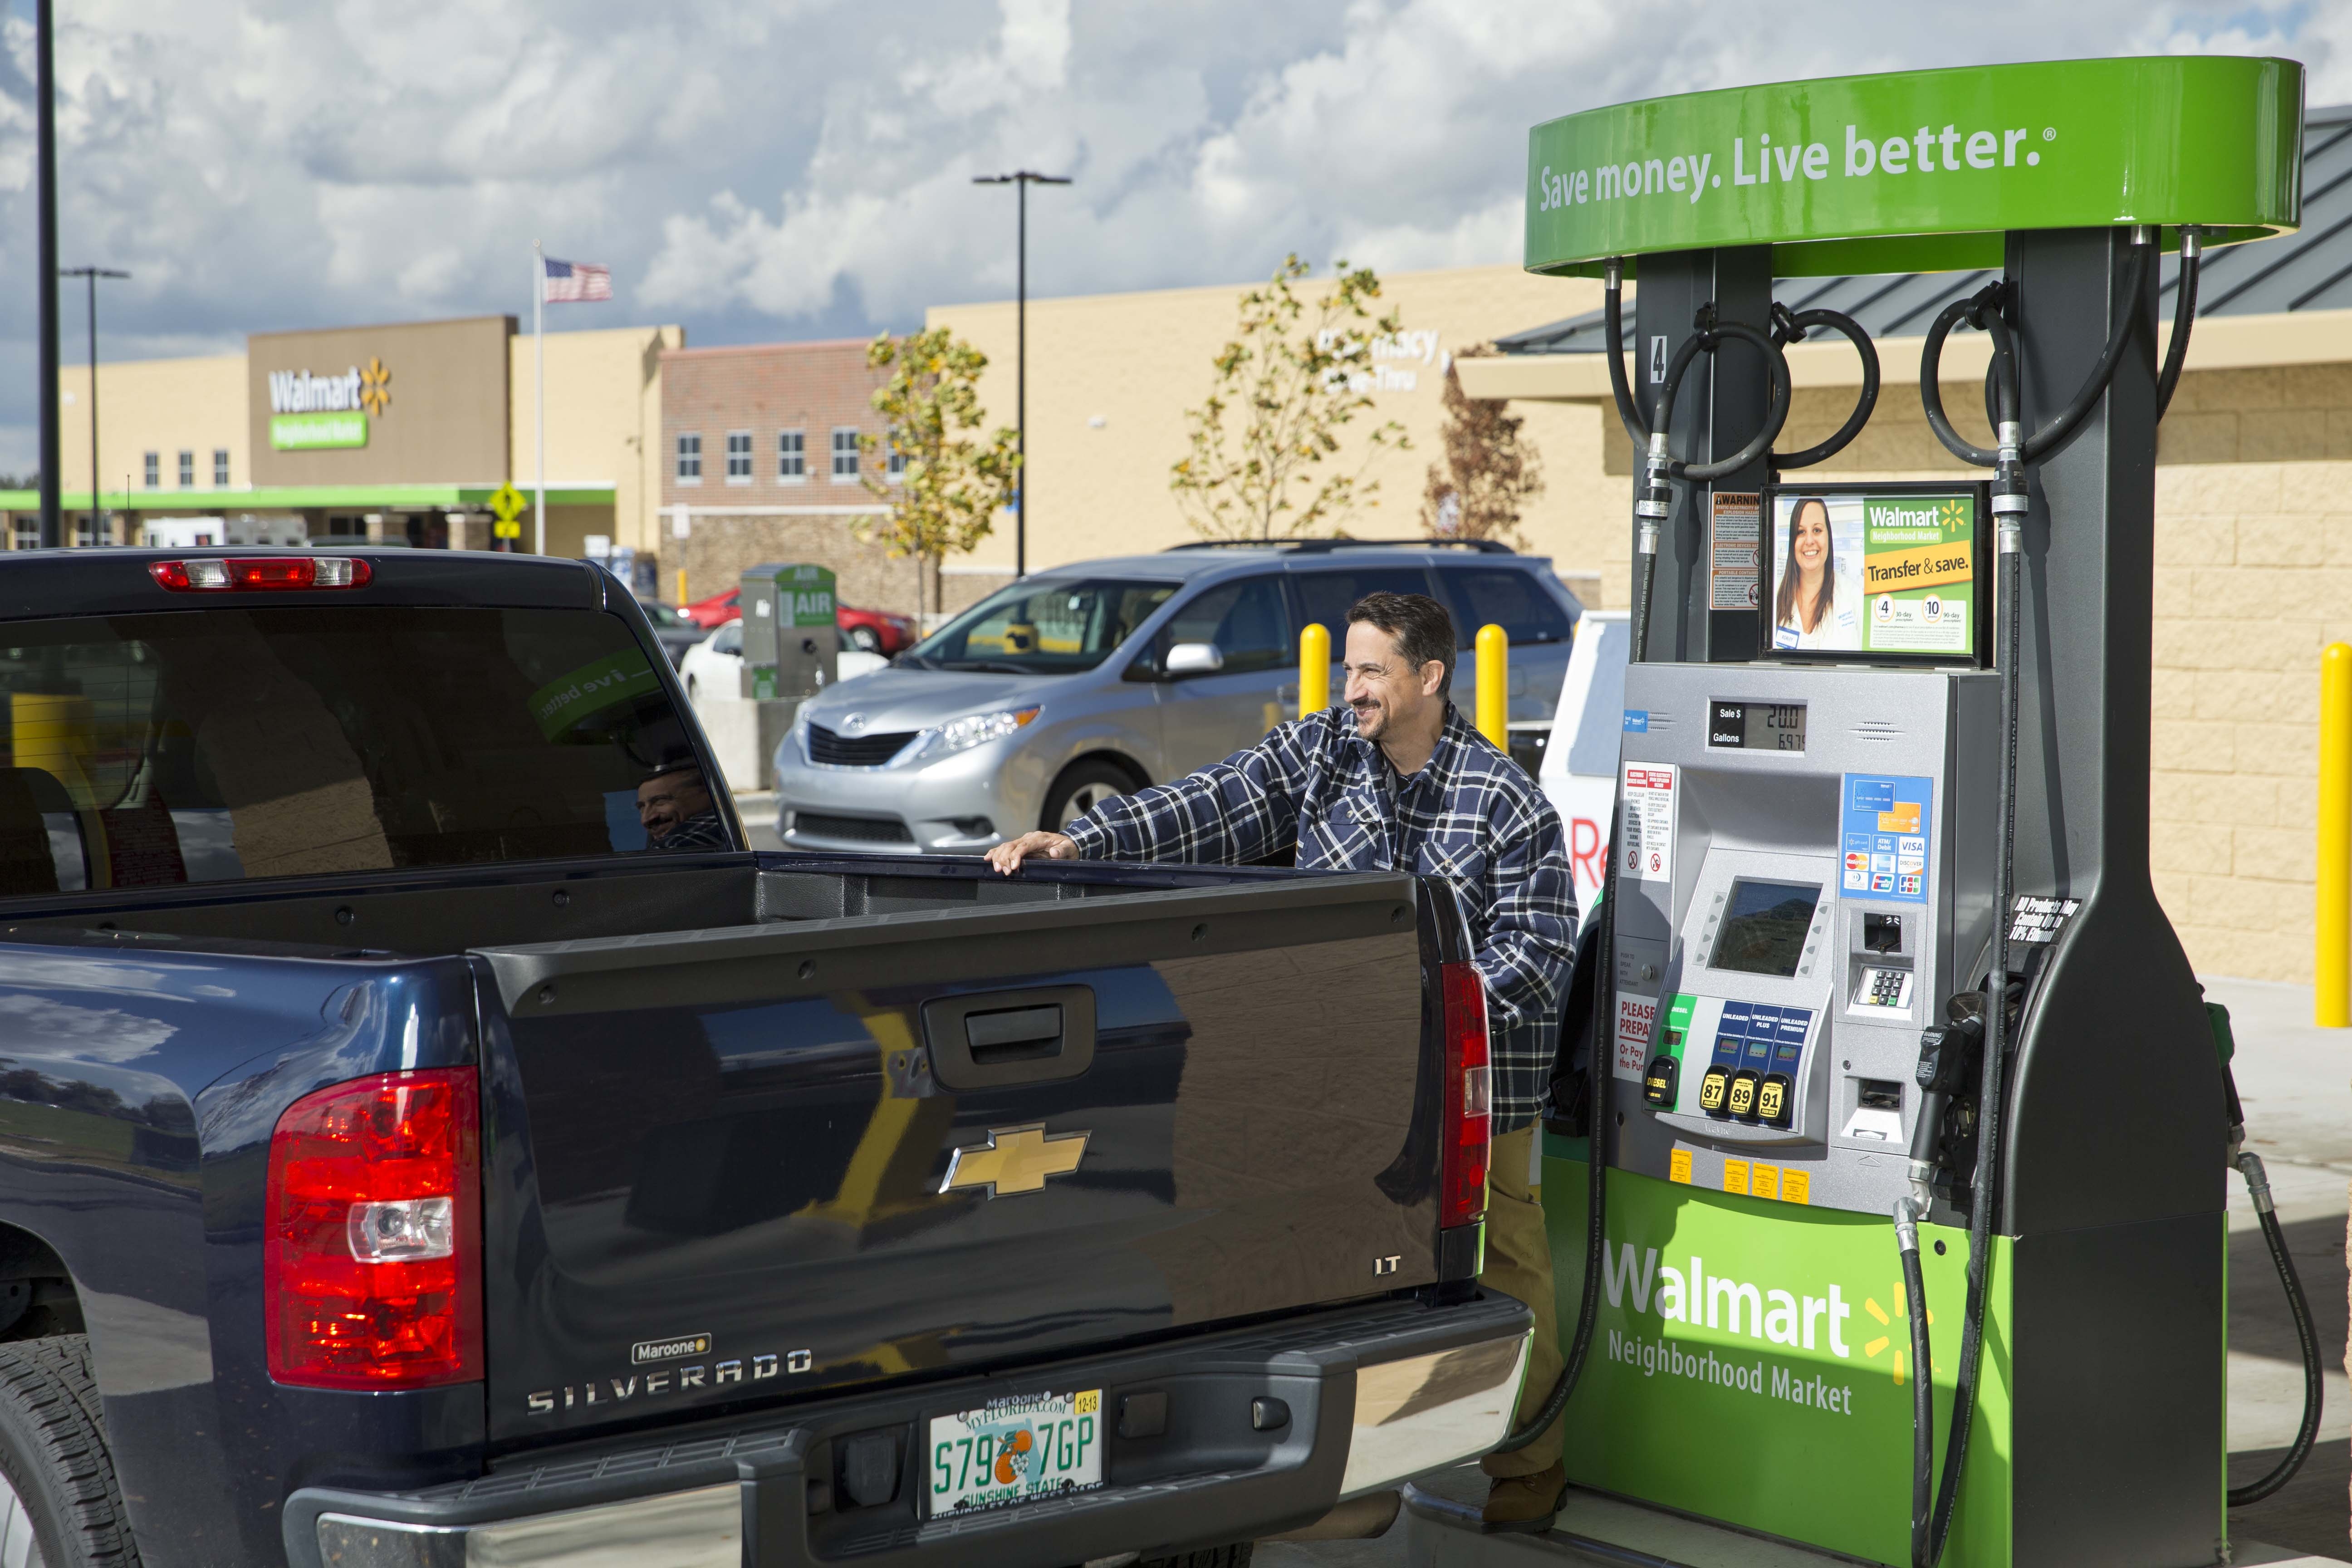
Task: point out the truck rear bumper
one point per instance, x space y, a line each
1374 1393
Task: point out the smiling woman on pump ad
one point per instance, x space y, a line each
1815 603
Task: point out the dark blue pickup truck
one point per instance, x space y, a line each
429 1137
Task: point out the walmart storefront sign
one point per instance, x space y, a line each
1922 171
304 432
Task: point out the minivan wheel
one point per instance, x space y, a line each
865 639
60 1504
1082 787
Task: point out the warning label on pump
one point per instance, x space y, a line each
1649 789
1635 1015
1736 532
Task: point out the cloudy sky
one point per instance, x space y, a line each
762 169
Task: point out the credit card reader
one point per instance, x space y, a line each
1805 875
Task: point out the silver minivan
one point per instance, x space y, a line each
1095 678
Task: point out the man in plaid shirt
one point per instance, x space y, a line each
1396 779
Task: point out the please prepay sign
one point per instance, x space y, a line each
1922 171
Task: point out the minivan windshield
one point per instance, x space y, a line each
1041 627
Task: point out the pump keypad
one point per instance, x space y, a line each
1888 988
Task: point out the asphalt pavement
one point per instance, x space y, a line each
2295 1083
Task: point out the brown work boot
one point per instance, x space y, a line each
1525 1504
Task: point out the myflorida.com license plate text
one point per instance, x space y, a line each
1016 1451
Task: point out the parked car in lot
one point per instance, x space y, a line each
869 631
714 665
1098 678
675 632
408 1161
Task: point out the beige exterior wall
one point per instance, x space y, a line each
166 407
1137 361
603 426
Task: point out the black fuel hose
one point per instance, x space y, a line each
1612 318
1923 1391
1709 340
2184 316
1931 1526
2258 1187
1788 327
1984 310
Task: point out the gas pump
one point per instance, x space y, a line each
1896 1228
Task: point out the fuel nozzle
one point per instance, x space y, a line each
1948 1054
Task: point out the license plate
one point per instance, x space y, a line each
1016 1450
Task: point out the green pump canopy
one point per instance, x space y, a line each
1922 171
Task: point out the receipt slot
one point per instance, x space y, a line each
1805 873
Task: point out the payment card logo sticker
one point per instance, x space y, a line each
1637 721
1886 826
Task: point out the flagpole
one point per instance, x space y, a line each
539 389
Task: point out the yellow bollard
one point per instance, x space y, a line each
681 588
1314 669
1495 686
2331 969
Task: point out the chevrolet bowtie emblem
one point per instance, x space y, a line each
1014 1160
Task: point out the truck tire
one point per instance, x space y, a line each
1234 1556
1081 788
54 1471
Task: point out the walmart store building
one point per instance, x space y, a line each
396 435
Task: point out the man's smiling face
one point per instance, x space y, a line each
666 800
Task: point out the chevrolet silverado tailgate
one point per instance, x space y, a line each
769 1160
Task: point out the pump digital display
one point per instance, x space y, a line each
1757 726
1764 926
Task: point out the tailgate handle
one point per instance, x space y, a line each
1017 1034
996 1039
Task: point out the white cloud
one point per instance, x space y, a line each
760 168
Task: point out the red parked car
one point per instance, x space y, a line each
875 631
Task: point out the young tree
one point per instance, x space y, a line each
948 486
1489 472
1291 378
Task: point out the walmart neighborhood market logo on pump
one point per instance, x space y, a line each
1921 171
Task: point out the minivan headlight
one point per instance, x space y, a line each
971 729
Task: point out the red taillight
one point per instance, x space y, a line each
216 573
372 1269
1469 1098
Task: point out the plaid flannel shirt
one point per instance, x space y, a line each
1471 816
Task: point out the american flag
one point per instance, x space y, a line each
576 282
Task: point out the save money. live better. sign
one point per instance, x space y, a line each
1922 171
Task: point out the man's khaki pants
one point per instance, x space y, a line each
1519 1263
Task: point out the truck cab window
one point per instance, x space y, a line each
148 749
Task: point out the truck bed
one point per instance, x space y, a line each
717 1105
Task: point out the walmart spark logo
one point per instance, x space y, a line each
1952 513
1869 1350
376 387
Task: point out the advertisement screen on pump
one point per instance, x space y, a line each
1877 570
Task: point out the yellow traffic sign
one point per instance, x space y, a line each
507 504
506 528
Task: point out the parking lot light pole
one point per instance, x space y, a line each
91 275
45 266
1021 179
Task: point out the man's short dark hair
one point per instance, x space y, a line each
1423 629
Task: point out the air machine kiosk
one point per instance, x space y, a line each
1856 812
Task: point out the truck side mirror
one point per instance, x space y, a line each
1195 658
